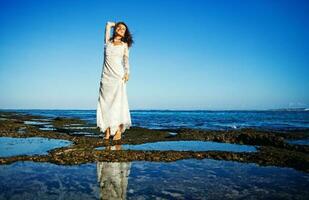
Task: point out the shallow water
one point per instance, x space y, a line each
183 179
81 127
10 146
36 123
87 134
47 127
189 145
212 120
300 142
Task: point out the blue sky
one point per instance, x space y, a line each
187 54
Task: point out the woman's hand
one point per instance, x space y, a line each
125 77
111 24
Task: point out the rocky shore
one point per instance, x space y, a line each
272 147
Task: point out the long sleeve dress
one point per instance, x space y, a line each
113 107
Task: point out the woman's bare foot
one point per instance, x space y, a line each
117 136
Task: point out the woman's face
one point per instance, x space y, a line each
120 30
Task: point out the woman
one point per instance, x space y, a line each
113 115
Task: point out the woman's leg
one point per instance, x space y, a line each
118 133
107 133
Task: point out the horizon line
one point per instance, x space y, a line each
148 109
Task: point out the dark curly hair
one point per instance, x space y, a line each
127 35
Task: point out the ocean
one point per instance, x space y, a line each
208 120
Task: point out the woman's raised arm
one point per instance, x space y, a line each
108 30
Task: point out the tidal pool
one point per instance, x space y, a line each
300 142
81 133
86 134
47 127
10 146
182 179
190 145
73 125
79 127
35 123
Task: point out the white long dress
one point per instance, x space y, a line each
113 107
113 178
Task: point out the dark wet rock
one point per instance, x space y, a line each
247 136
63 122
273 148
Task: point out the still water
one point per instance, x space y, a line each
183 179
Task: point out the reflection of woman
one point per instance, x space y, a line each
113 115
113 179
